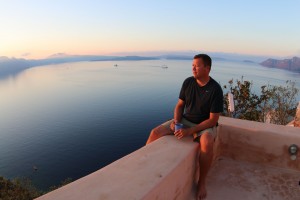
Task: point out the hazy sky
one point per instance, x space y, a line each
39 28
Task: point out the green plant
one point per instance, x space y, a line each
17 189
283 103
278 103
23 189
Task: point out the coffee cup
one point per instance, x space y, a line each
178 126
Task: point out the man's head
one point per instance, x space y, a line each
205 58
201 66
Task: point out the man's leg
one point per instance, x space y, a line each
158 132
205 160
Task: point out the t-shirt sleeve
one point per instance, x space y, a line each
217 101
182 91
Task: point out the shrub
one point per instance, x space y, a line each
23 189
279 102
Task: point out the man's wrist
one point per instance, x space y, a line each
177 121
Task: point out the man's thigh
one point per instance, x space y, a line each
210 131
164 129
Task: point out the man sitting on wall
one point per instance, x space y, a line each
198 109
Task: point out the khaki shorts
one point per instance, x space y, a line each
196 136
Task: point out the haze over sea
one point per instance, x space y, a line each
71 119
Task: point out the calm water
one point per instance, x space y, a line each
71 119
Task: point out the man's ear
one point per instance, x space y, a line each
208 67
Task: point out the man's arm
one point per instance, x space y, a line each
178 111
211 122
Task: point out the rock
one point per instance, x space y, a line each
292 64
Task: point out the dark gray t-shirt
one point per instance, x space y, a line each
201 101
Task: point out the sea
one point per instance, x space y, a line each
68 120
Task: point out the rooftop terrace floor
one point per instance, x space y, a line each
235 180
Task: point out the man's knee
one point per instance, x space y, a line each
206 142
160 131
153 136
152 133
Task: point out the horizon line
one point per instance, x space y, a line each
151 53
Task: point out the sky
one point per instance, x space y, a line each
36 29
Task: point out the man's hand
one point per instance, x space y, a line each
183 132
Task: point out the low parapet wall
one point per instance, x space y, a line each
166 168
161 170
258 142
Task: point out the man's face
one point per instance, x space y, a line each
199 69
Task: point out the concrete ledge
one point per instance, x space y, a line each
264 144
164 169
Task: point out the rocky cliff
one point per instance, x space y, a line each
292 64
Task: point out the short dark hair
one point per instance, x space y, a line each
205 58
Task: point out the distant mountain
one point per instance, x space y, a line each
12 65
123 58
187 55
176 57
292 64
58 55
248 61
